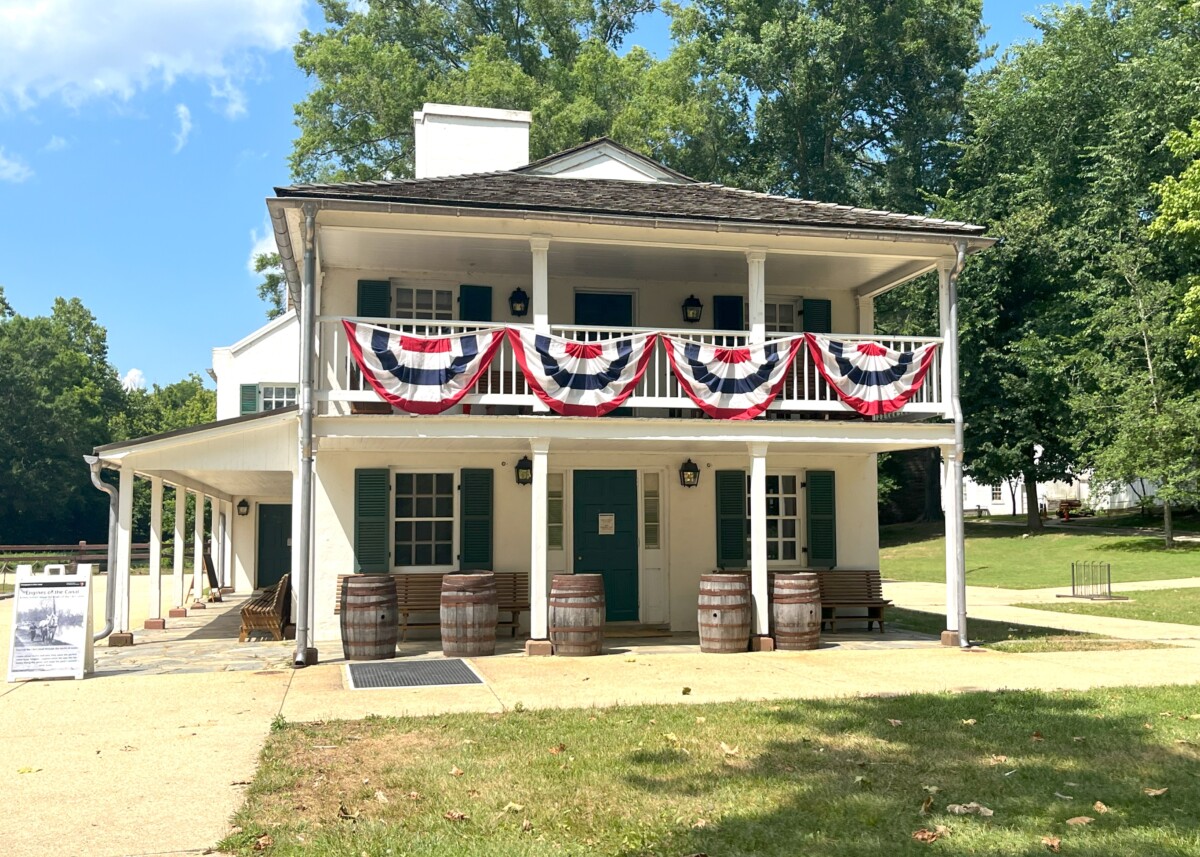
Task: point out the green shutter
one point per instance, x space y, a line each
371 520
249 398
822 519
475 520
731 518
818 315
474 303
374 298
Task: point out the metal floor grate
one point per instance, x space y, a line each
382 674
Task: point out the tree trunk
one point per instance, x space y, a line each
1033 517
1168 527
1012 492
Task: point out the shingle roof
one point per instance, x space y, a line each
510 190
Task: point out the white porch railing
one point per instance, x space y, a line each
340 382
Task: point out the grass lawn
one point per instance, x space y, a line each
834 777
1157 605
1008 637
1181 522
999 556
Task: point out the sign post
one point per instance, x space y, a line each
52 623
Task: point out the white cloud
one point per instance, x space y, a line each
82 49
134 379
13 169
55 144
185 126
264 243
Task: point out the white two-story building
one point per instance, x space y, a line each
309 470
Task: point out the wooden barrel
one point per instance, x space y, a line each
723 613
370 619
577 614
468 608
796 612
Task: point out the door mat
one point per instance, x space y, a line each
424 673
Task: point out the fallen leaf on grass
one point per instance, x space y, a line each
700 824
862 782
1053 843
1100 807
456 771
1079 739
346 814
701 720
472 792
971 808
413 795
526 825
925 835
971 722
28 770
932 789
1036 736
1154 792
263 842
729 751
514 807
456 815
927 805
381 797
687 691
557 748
895 722
1062 796
998 759
672 737
1080 819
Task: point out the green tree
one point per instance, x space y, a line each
58 394
1178 223
273 288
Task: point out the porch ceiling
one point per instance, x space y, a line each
394 250
235 483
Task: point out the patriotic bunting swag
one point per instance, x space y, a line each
868 377
581 379
421 374
732 383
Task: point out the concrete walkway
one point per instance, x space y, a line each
137 761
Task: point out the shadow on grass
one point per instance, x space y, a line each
840 778
1149 544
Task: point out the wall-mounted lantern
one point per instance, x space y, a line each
524 471
692 309
518 302
689 474
243 508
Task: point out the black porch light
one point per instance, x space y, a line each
692 309
524 470
689 474
243 508
518 302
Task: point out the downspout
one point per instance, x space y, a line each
956 410
308 322
110 601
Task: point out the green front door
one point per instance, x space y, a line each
605 536
274 543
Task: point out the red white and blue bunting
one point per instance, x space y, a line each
421 374
732 383
869 377
581 379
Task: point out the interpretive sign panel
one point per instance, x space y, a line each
52 623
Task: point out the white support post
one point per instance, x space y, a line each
154 620
539 588
761 612
227 543
944 270
956 575
120 580
539 245
198 556
953 526
757 263
866 316
180 550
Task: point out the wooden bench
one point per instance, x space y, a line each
853 589
421 592
266 612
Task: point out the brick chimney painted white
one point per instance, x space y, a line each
453 140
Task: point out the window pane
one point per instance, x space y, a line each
422 554
789 506
424 299
442 554
424 483
789 528
424 507
772 528
652 535
404 483
554 483
445 483
445 300
443 531
651 482
444 507
772 505
403 531
772 550
554 537
554 510
789 484
404 507
789 550
651 510
772 484
403 554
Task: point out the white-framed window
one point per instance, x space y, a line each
422 301
555 508
997 496
423 520
780 315
783 516
274 396
651 512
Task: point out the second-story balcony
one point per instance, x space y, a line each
503 389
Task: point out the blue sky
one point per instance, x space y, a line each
138 140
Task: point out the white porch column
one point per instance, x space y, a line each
944 381
953 526
757 263
539 585
154 620
179 552
198 556
866 315
227 543
118 578
758 545
540 302
956 577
